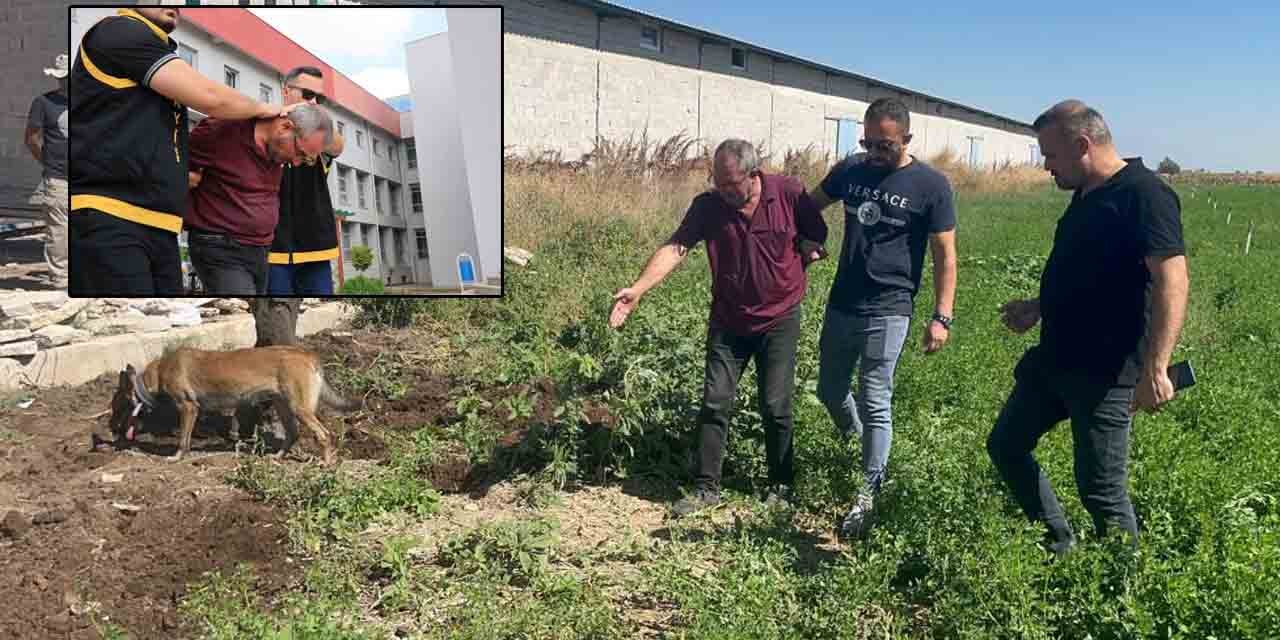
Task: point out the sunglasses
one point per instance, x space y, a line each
308 94
880 145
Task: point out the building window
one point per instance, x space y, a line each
360 180
377 197
739 58
360 139
393 194
187 54
231 77
341 128
415 193
193 3
375 147
412 150
264 93
421 235
342 186
346 235
398 236
649 38
382 248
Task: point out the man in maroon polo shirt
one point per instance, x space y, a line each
761 232
236 204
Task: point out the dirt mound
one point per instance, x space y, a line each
116 536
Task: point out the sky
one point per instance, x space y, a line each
1198 82
365 44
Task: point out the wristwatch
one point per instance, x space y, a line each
945 321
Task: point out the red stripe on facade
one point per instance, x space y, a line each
259 40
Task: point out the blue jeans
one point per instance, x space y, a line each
301 279
872 344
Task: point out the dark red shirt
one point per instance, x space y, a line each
239 193
756 271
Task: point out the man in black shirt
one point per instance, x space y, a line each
47 140
128 152
1113 296
895 206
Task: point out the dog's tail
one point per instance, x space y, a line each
335 400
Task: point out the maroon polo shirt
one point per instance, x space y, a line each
239 192
757 275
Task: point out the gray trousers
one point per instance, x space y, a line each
871 345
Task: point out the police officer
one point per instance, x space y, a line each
128 152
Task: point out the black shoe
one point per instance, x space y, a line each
700 499
779 496
1058 546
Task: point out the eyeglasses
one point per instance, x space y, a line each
711 182
883 144
308 94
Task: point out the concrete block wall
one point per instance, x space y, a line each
570 75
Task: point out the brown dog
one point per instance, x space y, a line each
216 381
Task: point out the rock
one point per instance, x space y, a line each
15 305
517 255
19 349
14 335
126 508
112 478
154 324
230 305
14 525
11 369
52 516
40 320
153 306
209 312
56 335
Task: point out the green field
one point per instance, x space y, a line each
952 556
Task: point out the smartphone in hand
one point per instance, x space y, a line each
1182 375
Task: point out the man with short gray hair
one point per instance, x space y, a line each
1112 300
761 232
236 203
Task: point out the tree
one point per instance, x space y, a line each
1168 166
361 257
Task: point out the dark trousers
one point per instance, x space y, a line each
113 257
227 267
301 279
727 355
1098 408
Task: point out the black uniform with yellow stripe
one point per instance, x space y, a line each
127 162
307 231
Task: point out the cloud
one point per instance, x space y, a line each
362 34
383 82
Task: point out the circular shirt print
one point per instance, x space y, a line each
868 213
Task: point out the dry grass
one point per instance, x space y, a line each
651 182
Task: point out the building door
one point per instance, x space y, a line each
848 132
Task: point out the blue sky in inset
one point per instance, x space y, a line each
365 43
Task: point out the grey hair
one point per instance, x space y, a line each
1075 119
309 118
742 151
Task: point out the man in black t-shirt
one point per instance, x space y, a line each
894 206
47 140
1113 296
127 152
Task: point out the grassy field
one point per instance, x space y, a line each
952 557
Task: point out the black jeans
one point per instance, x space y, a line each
727 355
227 267
1098 407
113 257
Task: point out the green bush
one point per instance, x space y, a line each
362 286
